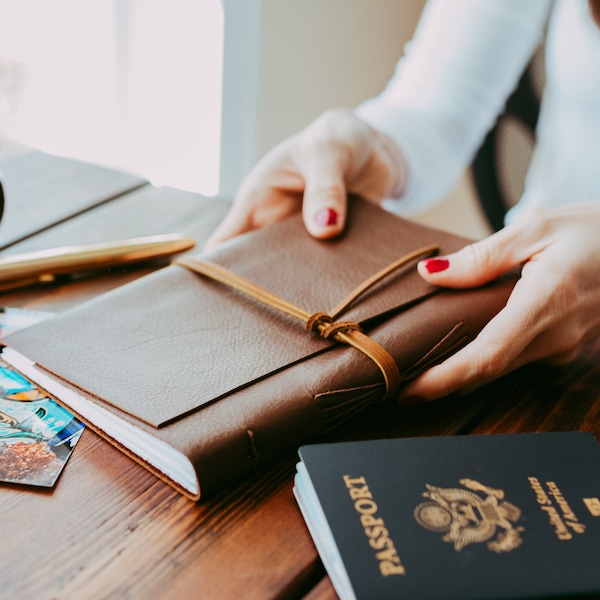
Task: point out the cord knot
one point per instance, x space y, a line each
326 327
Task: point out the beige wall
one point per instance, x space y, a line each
459 213
286 61
316 54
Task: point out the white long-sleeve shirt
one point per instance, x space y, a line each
456 74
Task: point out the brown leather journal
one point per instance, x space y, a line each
202 383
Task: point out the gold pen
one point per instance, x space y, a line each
42 266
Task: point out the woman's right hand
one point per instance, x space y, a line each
314 171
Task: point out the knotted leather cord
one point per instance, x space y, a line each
346 332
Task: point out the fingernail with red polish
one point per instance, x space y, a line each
326 217
435 265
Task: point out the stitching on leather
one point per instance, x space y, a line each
438 353
426 358
460 343
334 411
330 400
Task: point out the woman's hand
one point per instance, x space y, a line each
313 171
552 312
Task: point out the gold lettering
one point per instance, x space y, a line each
379 543
540 494
560 500
374 532
389 554
369 521
559 527
593 505
361 492
389 568
560 523
365 505
351 482
577 527
374 526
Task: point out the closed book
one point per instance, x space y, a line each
500 516
204 384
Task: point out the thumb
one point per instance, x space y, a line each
324 206
477 263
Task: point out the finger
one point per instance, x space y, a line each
417 392
480 262
324 207
504 344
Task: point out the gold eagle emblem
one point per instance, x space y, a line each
466 517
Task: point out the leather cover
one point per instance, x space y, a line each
232 383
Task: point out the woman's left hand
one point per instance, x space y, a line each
552 312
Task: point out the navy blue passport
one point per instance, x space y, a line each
465 517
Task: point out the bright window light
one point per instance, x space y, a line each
131 84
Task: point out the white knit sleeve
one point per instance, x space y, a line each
464 60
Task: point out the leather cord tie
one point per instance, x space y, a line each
326 327
324 324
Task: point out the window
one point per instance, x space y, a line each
188 93
133 84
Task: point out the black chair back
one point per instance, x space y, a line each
500 166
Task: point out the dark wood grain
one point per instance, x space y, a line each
111 530
551 398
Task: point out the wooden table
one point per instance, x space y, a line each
109 529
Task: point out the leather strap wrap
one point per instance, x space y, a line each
324 324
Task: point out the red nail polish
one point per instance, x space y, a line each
326 217
435 265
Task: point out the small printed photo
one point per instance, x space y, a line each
37 435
